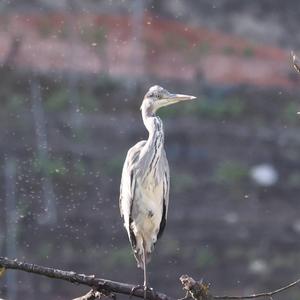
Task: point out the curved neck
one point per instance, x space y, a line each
154 126
152 151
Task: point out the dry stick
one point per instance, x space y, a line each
107 286
102 285
267 294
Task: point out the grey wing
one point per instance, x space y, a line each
166 189
127 186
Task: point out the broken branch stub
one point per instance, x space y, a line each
195 289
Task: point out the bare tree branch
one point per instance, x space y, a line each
102 285
196 290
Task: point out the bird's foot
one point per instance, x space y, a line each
146 290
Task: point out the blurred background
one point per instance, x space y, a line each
73 75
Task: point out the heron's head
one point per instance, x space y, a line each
158 97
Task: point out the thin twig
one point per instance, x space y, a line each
260 295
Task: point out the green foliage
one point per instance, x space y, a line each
216 108
240 253
170 111
46 29
231 172
290 112
119 257
58 100
88 102
248 52
54 167
106 83
113 166
204 48
175 41
15 102
286 261
96 35
293 180
80 168
228 50
205 258
210 108
235 253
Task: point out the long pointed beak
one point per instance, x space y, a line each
174 98
180 97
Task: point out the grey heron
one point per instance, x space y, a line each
144 189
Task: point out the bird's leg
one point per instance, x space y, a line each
146 288
145 270
145 285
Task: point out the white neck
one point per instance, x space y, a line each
152 151
153 124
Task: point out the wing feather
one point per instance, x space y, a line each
166 189
127 186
